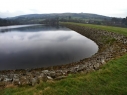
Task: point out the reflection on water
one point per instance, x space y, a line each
40 46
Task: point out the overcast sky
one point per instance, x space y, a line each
112 8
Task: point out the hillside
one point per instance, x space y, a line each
38 18
78 15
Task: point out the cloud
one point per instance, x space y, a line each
10 14
104 7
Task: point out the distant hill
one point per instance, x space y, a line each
77 15
38 18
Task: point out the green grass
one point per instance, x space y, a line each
110 79
102 27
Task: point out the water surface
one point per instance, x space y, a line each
33 46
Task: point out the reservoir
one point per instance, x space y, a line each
36 46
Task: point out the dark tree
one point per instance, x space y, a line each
124 20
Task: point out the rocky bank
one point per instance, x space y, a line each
111 45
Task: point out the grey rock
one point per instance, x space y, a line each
16 81
42 77
34 81
24 80
96 66
52 74
49 78
7 79
60 77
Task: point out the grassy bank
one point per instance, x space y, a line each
102 27
111 79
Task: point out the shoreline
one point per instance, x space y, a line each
111 46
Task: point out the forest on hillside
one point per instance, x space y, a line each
54 19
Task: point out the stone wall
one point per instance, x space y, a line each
111 45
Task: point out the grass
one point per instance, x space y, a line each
102 27
110 79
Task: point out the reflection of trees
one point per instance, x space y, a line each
5 30
32 28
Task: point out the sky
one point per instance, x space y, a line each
112 8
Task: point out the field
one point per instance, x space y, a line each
119 30
110 79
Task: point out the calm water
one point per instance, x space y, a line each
32 46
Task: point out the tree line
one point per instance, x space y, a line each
5 22
122 22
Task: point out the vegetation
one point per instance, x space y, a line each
5 22
124 20
51 18
71 17
119 30
110 79
66 17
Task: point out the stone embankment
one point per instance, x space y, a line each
111 45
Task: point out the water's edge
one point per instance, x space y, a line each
110 45
38 46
